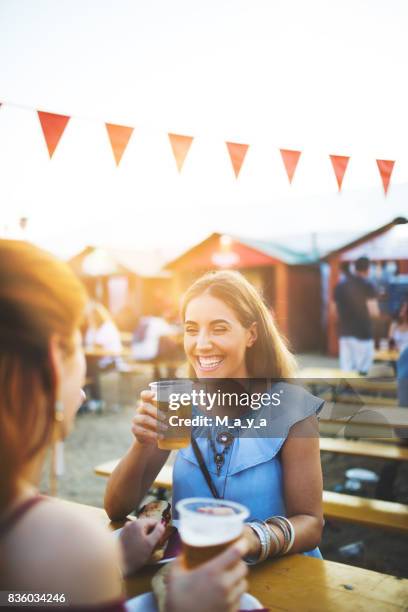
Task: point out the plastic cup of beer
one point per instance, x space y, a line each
207 527
167 395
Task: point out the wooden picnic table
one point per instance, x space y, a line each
99 352
296 582
316 373
387 355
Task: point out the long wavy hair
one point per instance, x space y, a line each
269 356
39 296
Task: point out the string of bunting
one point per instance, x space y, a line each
53 126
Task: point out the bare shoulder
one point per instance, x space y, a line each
306 428
57 549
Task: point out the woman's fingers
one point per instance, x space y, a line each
236 574
145 434
236 593
148 422
154 536
151 410
147 396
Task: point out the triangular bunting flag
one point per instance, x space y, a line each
53 127
119 136
237 154
180 145
385 166
339 163
290 160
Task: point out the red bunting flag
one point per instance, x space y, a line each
237 154
290 160
340 163
180 145
385 166
53 127
119 136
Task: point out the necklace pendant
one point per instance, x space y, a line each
225 438
219 462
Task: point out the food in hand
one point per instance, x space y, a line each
159 586
160 511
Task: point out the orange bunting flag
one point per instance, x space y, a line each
340 163
237 154
53 127
290 160
119 136
180 145
385 166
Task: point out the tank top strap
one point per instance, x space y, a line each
19 512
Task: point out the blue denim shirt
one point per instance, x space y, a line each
252 472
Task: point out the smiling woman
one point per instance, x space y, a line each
229 331
231 341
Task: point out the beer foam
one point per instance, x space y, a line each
205 535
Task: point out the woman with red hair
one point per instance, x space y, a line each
45 545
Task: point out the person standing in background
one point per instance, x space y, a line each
101 333
356 303
398 334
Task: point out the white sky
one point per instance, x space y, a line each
322 76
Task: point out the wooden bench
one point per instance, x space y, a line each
370 390
164 478
367 512
360 448
364 448
365 422
337 506
366 400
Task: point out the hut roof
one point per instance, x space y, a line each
101 261
390 241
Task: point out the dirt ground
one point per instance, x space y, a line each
101 437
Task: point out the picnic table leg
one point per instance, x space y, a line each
385 486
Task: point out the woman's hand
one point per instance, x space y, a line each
148 425
138 539
216 585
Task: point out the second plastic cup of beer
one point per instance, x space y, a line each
170 396
207 527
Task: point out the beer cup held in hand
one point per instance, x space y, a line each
207 527
178 433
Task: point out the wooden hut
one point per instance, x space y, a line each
289 280
129 283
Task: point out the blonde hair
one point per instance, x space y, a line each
269 357
39 296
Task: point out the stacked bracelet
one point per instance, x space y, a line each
287 530
265 534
